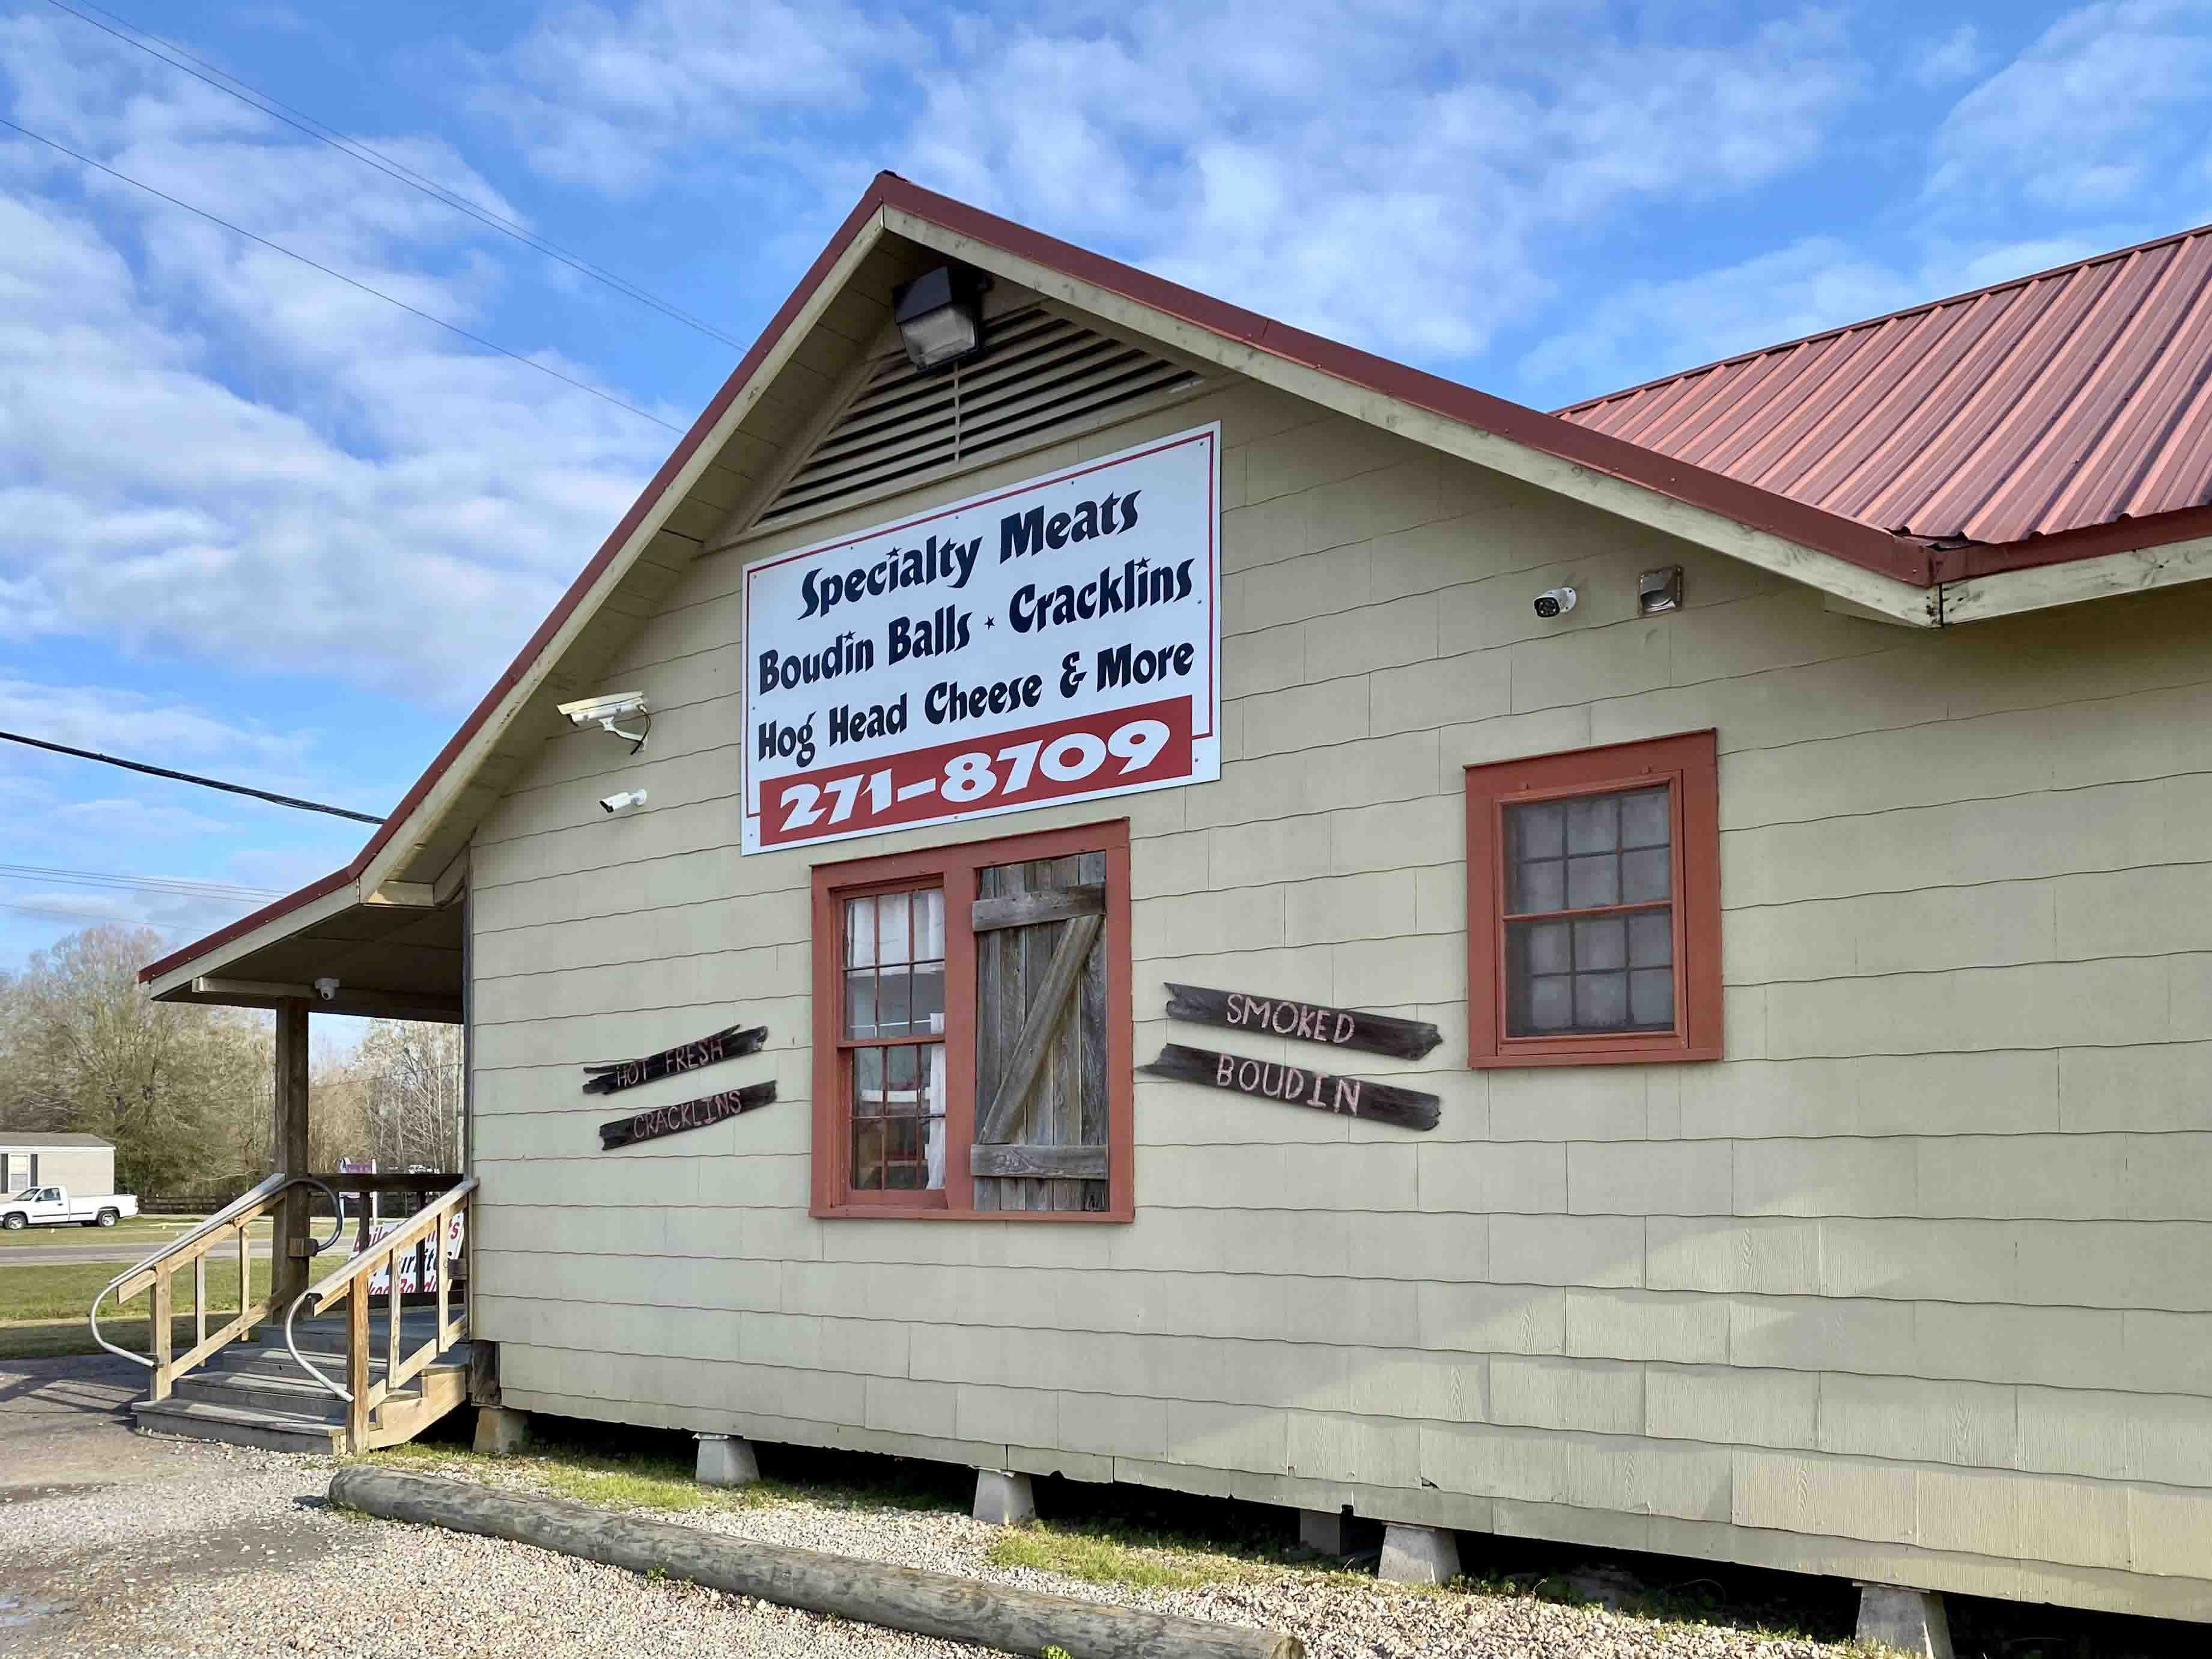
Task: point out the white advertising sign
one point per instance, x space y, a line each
1056 640
413 1279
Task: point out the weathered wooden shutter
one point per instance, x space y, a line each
1041 1036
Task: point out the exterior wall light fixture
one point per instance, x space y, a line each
940 317
1659 590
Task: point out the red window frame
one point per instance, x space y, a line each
1690 764
954 869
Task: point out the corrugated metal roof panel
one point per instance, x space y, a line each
2055 402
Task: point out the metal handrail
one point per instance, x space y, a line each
363 1261
223 1217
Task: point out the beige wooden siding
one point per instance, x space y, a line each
1916 1286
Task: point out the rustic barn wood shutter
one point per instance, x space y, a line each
1041 1039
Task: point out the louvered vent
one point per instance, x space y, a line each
1042 375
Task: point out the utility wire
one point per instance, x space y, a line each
351 281
347 144
189 777
53 910
171 886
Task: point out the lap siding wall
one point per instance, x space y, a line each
1916 1285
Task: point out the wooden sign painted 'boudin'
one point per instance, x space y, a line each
1296 1085
1340 1028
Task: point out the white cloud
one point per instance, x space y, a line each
207 447
2096 118
1940 61
121 818
1393 172
599 97
104 718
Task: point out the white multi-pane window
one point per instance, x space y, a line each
894 1034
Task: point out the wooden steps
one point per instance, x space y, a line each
255 1394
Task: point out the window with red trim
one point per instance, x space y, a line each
972 1030
1593 906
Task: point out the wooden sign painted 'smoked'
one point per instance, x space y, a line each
1312 1022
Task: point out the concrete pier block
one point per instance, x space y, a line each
1911 1621
724 1460
1004 1498
1322 1531
1419 1555
500 1431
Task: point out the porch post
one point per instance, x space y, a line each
288 1274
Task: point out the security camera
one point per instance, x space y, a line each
327 989
617 803
604 712
1555 602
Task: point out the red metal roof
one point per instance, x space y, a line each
2053 403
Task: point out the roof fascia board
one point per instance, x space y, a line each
2040 588
285 923
1904 602
523 681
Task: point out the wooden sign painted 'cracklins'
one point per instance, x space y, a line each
1340 1028
1296 1085
707 1110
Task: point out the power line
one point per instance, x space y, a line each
53 910
346 144
351 281
171 886
189 777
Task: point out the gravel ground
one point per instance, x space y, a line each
233 1554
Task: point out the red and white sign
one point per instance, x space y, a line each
1056 640
411 1278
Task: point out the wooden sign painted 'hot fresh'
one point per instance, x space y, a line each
1296 1085
729 1043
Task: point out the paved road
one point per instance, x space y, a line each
123 1251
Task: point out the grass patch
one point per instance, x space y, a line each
614 1467
140 1234
1114 1552
1098 1560
65 1290
43 1308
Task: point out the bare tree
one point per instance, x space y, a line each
183 1090
411 1076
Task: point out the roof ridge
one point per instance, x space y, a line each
1565 411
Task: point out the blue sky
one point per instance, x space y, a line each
254 522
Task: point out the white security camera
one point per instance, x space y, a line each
604 712
617 803
327 989
1555 602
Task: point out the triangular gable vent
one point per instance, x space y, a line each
1044 377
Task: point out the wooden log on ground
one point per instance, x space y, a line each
899 1598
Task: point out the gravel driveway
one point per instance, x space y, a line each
154 1547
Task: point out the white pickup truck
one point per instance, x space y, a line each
50 1206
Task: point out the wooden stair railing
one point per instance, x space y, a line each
233 1222
424 1237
